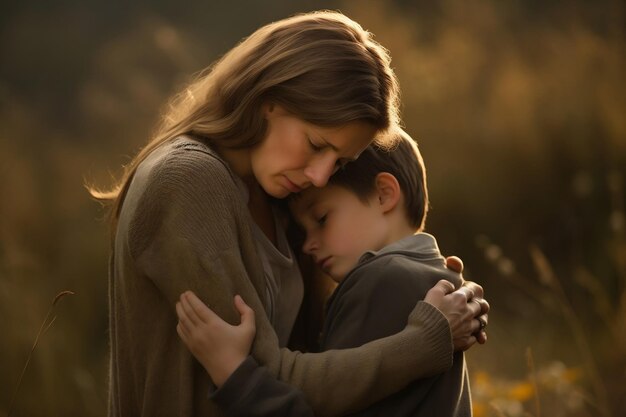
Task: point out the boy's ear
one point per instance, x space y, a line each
388 191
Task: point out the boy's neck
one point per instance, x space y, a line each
396 232
399 230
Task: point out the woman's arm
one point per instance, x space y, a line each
247 389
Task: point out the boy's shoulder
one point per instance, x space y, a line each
414 257
413 264
377 296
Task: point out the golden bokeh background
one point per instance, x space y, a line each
518 107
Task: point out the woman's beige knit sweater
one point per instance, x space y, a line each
184 226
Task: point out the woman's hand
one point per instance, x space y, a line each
465 308
217 345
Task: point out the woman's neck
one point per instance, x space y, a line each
239 162
258 202
260 209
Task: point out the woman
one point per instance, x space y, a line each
279 113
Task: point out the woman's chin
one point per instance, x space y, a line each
278 192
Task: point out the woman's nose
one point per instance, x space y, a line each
320 169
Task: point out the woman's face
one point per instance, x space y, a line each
296 155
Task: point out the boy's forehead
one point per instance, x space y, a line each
307 199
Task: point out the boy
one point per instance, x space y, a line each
364 230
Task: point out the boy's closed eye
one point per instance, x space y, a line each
321 220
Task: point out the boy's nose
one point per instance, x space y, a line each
309 246
319 170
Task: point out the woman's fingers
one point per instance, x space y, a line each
478 306
478 324
465 310
467 292
435 296
465 342
444 287
475 288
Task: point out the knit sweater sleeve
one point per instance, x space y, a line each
189 231
375 300
185 233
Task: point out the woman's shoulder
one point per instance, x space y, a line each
185 153
186 162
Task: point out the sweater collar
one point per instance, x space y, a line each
423 244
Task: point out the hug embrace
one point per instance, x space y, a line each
295 127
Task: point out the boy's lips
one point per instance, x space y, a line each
324 263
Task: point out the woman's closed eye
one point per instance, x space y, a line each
321 221
314 146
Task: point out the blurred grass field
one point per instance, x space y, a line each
519 110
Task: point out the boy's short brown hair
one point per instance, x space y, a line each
402 160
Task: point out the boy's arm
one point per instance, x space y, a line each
244 388
251 391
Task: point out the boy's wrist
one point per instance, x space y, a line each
224 369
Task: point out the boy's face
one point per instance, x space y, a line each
339 227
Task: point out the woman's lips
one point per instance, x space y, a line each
291 186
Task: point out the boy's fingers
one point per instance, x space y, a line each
192 318
180 312
454 263
183 320
247 314
204 313
182 333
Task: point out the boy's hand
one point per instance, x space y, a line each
217 345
